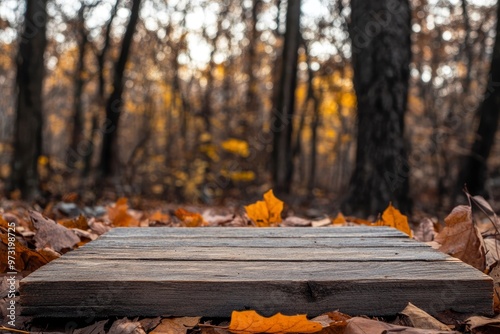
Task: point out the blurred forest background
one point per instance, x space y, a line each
179 99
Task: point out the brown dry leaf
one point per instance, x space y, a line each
339 220
176 325
334 323
479 321
119 216
492 250
97 328
50 234
125 326
149 323
98 227
160 217
421 319
425 231
461 239
25 258
495 274
322 222
190 219
358 325
251 322
394 218
3 223
79 222
296 222
266 213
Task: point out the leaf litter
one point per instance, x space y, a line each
44 237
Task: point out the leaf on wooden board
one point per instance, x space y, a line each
358 325
267 212
394 218
421 319
125 326
190 219
50 234
119 216
480 321
339 220
176 325
251 322
97 328
461 239
98 227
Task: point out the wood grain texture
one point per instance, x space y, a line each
213 271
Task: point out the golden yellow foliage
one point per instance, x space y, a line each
394 218
251 322
267 212
236 146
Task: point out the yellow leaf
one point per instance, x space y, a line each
119 216
339 220
265 213
236 146
394 218
252 322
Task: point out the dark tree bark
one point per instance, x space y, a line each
474 170
381 48
30 74
77 149
115 103
282 125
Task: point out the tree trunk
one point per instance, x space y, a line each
77 148
114 104
380 35
282 122
474 171
30 74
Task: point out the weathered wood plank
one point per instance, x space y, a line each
256 242
212 271
253 232
190 253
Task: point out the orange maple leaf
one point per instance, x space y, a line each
119 216
251 322
394 218
267 212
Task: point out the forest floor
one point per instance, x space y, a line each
469 232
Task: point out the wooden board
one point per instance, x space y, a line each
213 271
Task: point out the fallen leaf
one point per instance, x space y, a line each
425 231
359 221
495 274
492 250
25 259
394 218
321 223
421 319
266 213
149 323
3 223
251 322
119 216
461 239
479 321
176 325
125 326
358 325
79 222
160 217
98 227
50 234
339 220
97 328
190 219
296 222
332 322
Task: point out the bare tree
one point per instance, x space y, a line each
282 125
381 53
28 126
115 103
